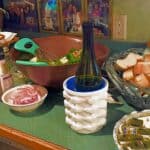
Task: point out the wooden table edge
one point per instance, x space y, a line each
27 140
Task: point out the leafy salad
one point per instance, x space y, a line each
72 57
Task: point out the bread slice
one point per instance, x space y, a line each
147 57
146 67
121 64
129 61
138 68
142 81
148 77
128 74
138 57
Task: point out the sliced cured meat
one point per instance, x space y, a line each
24 95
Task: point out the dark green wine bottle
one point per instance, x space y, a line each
88 75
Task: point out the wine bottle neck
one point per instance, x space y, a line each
88 41
88 76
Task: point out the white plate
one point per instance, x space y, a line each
135 114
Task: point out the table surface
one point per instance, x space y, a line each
48 121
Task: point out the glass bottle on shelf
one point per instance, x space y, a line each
88 75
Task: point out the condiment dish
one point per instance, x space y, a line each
25 98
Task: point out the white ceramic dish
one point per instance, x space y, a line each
25 107
135 114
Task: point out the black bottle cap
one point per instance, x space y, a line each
2 56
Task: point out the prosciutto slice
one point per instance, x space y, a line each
24 95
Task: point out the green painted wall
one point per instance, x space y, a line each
138 18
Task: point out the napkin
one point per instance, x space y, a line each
8 36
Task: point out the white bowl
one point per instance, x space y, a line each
42 91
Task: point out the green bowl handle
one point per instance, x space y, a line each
26 45
30 63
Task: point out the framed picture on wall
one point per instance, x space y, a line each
71 16
98 11
48 14
22 15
